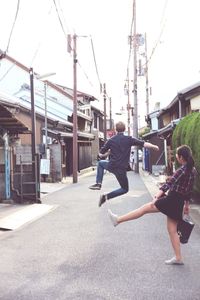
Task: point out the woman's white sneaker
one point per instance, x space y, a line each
174 261
113 218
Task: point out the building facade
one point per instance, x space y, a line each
163 122
53 134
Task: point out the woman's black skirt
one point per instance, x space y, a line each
171 205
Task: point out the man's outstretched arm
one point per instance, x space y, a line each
151 146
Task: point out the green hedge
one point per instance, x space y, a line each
188 132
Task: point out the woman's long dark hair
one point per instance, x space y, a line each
186 153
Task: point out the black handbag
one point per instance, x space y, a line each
184 228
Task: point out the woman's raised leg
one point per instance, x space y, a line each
137 213
134 214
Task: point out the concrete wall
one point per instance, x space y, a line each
55 162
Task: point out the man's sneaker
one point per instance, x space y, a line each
96 186
174 261
113 217
102 199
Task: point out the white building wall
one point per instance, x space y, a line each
195 103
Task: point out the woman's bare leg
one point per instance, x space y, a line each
175 240
137 213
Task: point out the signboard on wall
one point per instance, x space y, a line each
45 166
23 154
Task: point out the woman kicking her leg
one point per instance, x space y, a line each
179 187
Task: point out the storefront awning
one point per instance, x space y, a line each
87 135
10 122
63 134
168 128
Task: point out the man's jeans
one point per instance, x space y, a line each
121 177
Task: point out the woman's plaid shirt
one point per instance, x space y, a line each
181 181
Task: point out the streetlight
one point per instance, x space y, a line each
44 79
35 157
75 120
35 175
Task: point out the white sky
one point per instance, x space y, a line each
174 65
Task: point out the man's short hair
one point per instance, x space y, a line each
120 127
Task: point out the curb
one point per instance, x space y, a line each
87 170
48 188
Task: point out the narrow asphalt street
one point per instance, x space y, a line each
74 252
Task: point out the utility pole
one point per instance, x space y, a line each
35 156
75 142
146 75
45 110
128 103
33 126
135 116
104 101
110 113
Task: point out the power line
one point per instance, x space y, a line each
156 44
59 18
95 60
130 48
61 24
164 11
87 77
163 23
131 33
69 45
15 19
39 44
63 15
6 73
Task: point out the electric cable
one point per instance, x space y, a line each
130 48
61 24
85 73
163 23
14 22
39 44
6 73
63 16
156 44
95 62
131 34
69 45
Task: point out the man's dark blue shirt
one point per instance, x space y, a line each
120 147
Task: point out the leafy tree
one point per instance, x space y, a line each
143 131
188 132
